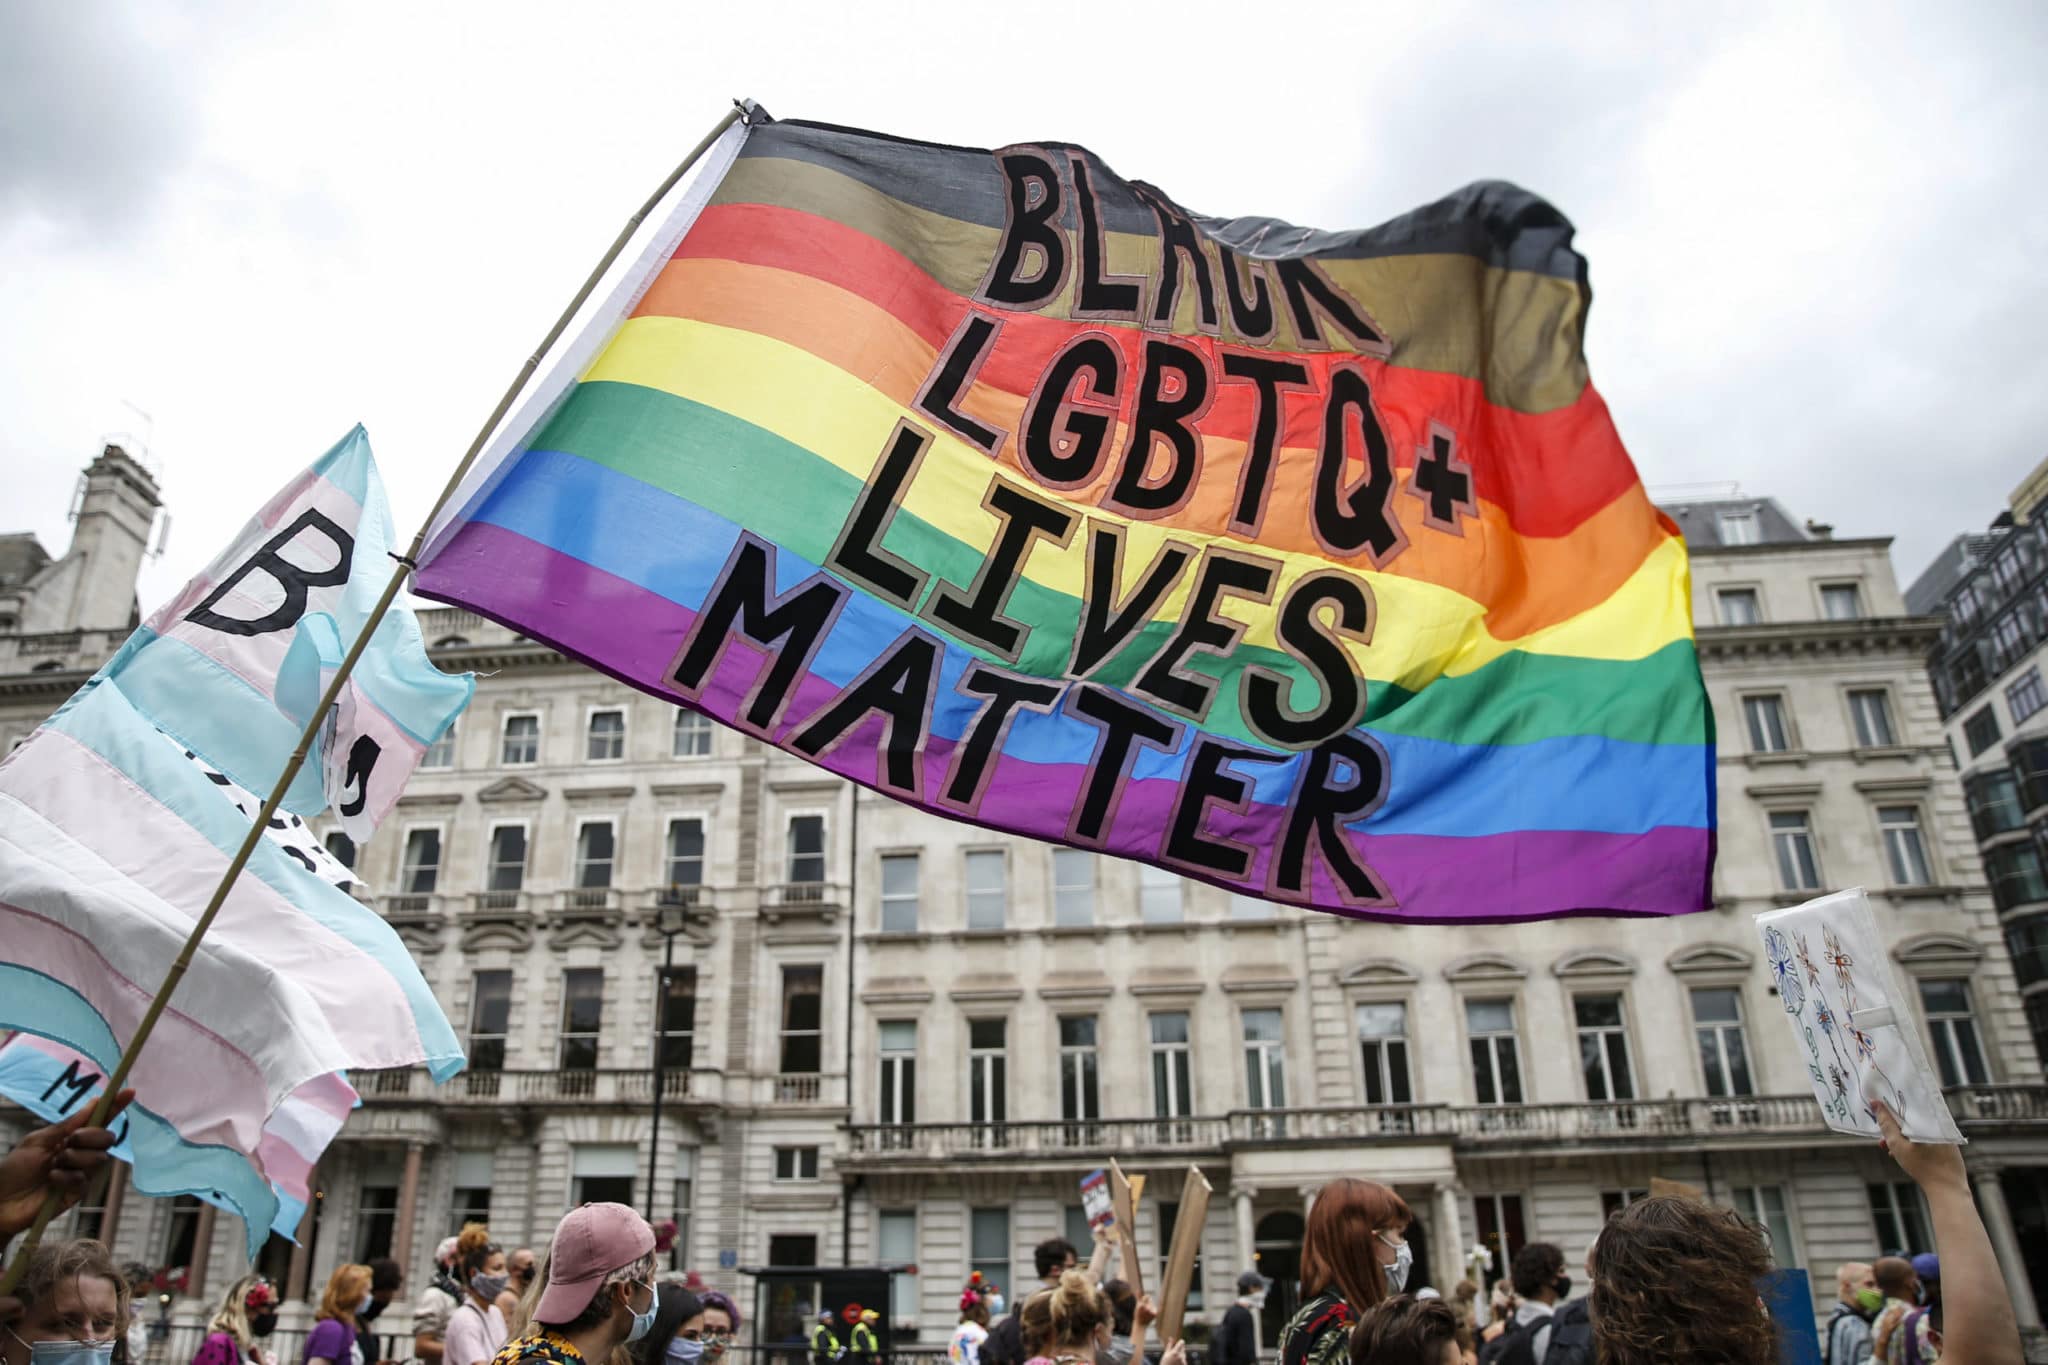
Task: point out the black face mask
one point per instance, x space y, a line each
1562 1286
368 1313
524 1274
263 1324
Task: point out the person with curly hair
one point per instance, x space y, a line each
476 1329
1406 1330
1675 1280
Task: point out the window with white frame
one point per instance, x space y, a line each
691 737
1159 895
508 858
1603 1047
1764 715
582 1017
470 1199
684 850
605 741
1871 710
1841 602
988 1093
677 989
521 744
1073 887
603 1172
1952 1025
1765 1206
1792 842
1980 731
988 1246
803 1020
595 850
899 893
987 888
896 1244
441 753
1724 1052
1900 1214
2025 695
1502 1230
685 1197
1173 1095
1383 1043
1496 1056
341 848
1265 1060
806 840
796 1163
1739 526
490 1019
422 868
1738 607
1080 1097
898 1040
1905 847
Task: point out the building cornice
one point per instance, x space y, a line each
1908 634
1778 547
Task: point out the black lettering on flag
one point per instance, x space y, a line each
1209 783
954 375
1356 515
1031 232
1064 436
899 688
974 756
1101 295
1163 681
1264 692
1173 393
1124 725
1107 624
362 760
1178 239
977 613
1252 316
294 580
1443 482
1274 379
1311 296
789 627
859 553
77 1082
1323 803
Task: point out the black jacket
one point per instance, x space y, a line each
1236 1340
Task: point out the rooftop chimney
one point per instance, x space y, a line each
1819 530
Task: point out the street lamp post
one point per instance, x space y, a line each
669 920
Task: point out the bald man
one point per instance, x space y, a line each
1848 1336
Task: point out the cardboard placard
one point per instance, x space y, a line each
1123 1199
1180 1258
1096 1201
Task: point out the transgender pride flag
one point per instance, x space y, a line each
112 840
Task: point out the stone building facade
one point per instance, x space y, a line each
888 1038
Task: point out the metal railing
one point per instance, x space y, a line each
927 1140
609 1086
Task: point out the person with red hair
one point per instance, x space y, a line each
1353 1255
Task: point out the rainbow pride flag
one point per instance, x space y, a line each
1306 563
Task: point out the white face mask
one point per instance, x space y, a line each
1397 1273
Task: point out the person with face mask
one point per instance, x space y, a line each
70 1306
1846 1340
333 1338
519 1268
245 1317
599 1292
721 1324
1236 1341
1540 1285
677 1337
1354 1253
476 1329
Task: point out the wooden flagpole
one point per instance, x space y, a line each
406 564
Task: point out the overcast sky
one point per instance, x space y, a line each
1817 234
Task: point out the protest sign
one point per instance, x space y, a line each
1851 1022
1304 563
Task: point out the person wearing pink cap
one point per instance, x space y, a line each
598 1293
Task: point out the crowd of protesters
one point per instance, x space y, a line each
1673 1281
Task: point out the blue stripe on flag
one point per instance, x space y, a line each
165 1164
